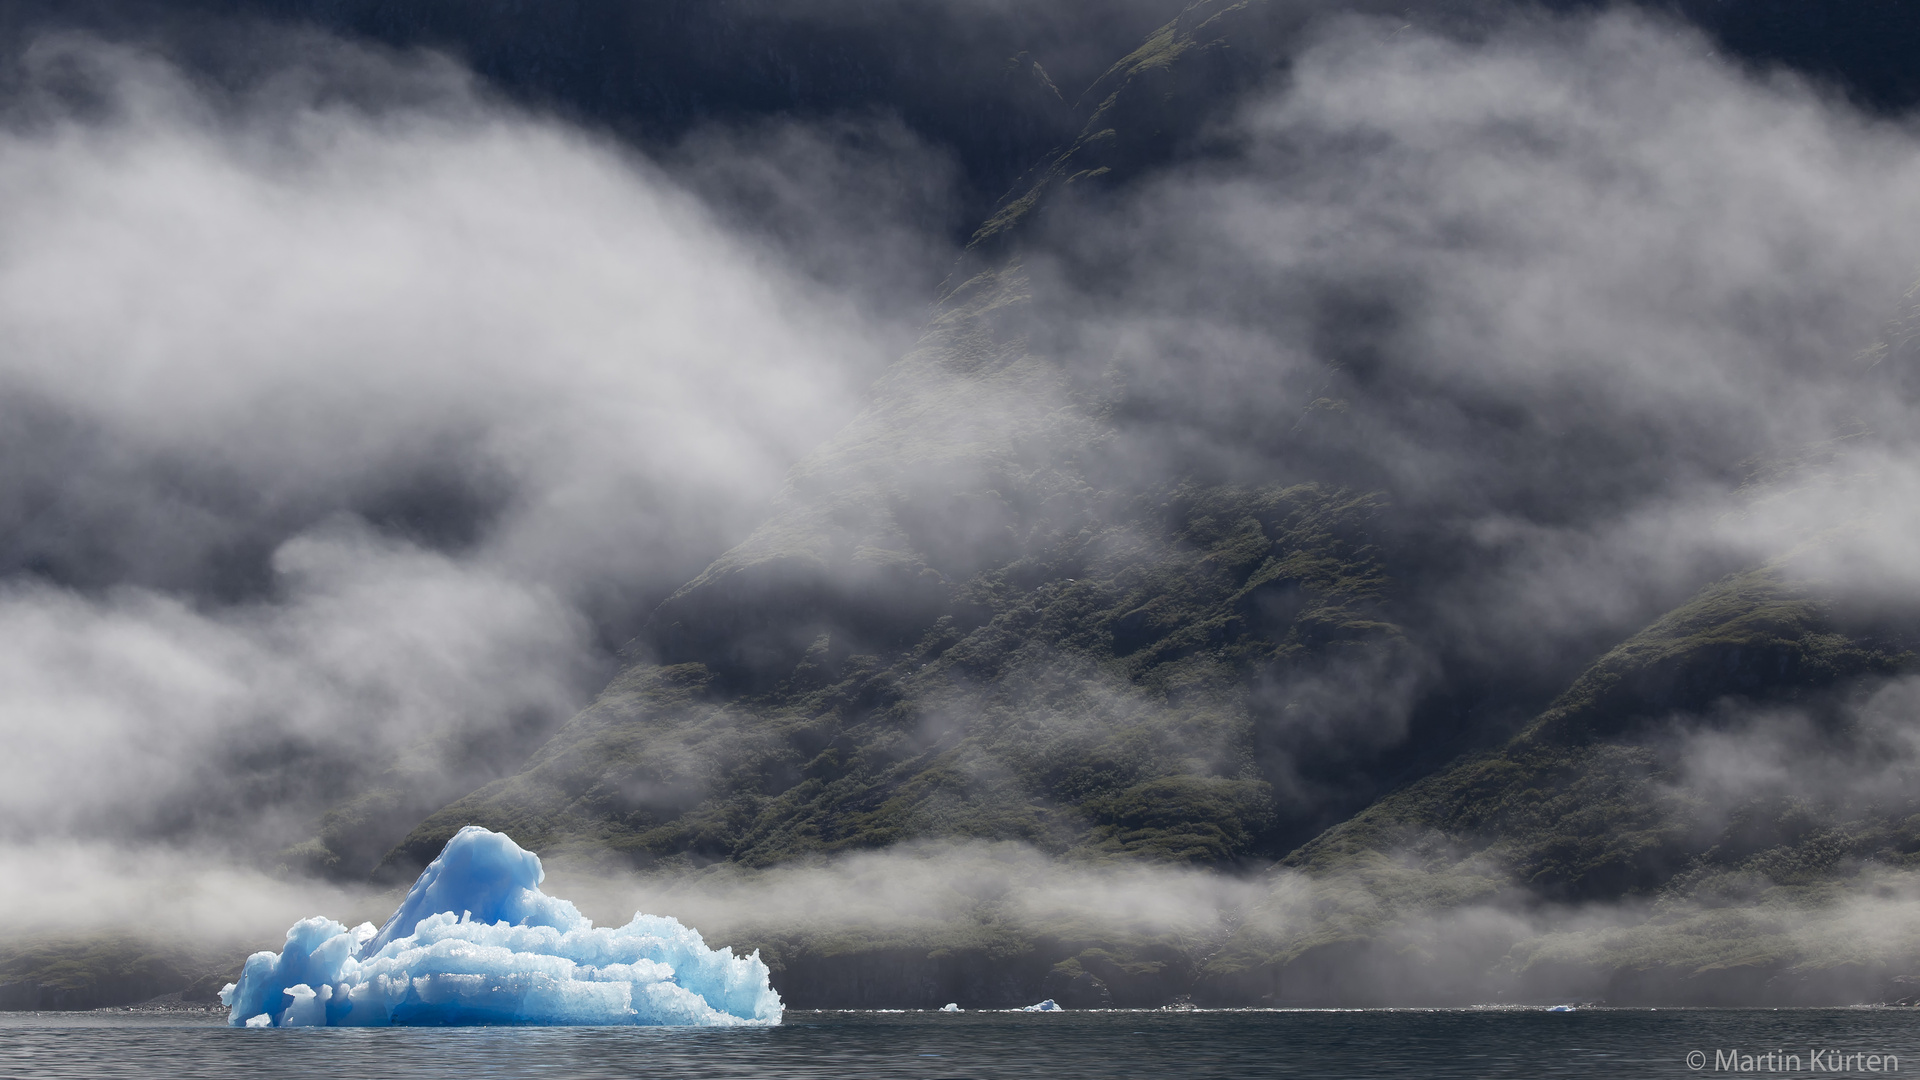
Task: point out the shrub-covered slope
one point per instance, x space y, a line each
1095 698
970 619
1588 800
1708 815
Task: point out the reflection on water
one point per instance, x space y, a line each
1455 1043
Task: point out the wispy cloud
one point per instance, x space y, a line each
355 416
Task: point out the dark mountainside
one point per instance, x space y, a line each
969 620
993 84
1019 599
1000 86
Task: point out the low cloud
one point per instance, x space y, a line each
355 418
170 896
1593 306
359 426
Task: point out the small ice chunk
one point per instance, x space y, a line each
950 1007
309 1007
1048 1005
477 942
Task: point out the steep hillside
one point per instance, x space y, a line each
852 676
1589 801
1708 808
1248 592
971 619
992 84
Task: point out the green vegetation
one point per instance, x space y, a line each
964 621
1750 896
1145 107
1585 801
961 624
1090 698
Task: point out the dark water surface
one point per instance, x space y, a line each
1458 1043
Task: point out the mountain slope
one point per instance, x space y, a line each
878 648
1708 808
972 617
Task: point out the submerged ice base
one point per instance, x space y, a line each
477 942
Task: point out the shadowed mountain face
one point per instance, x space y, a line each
1048 589
1044 589
1457 459
994 84
1000 85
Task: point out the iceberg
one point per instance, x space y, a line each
477 942
1048 1005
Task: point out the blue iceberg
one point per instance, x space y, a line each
477 942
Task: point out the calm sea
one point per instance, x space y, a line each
1440 1044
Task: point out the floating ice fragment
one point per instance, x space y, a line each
1045 1006
950 1007
477 942
1561 1008
309 1007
